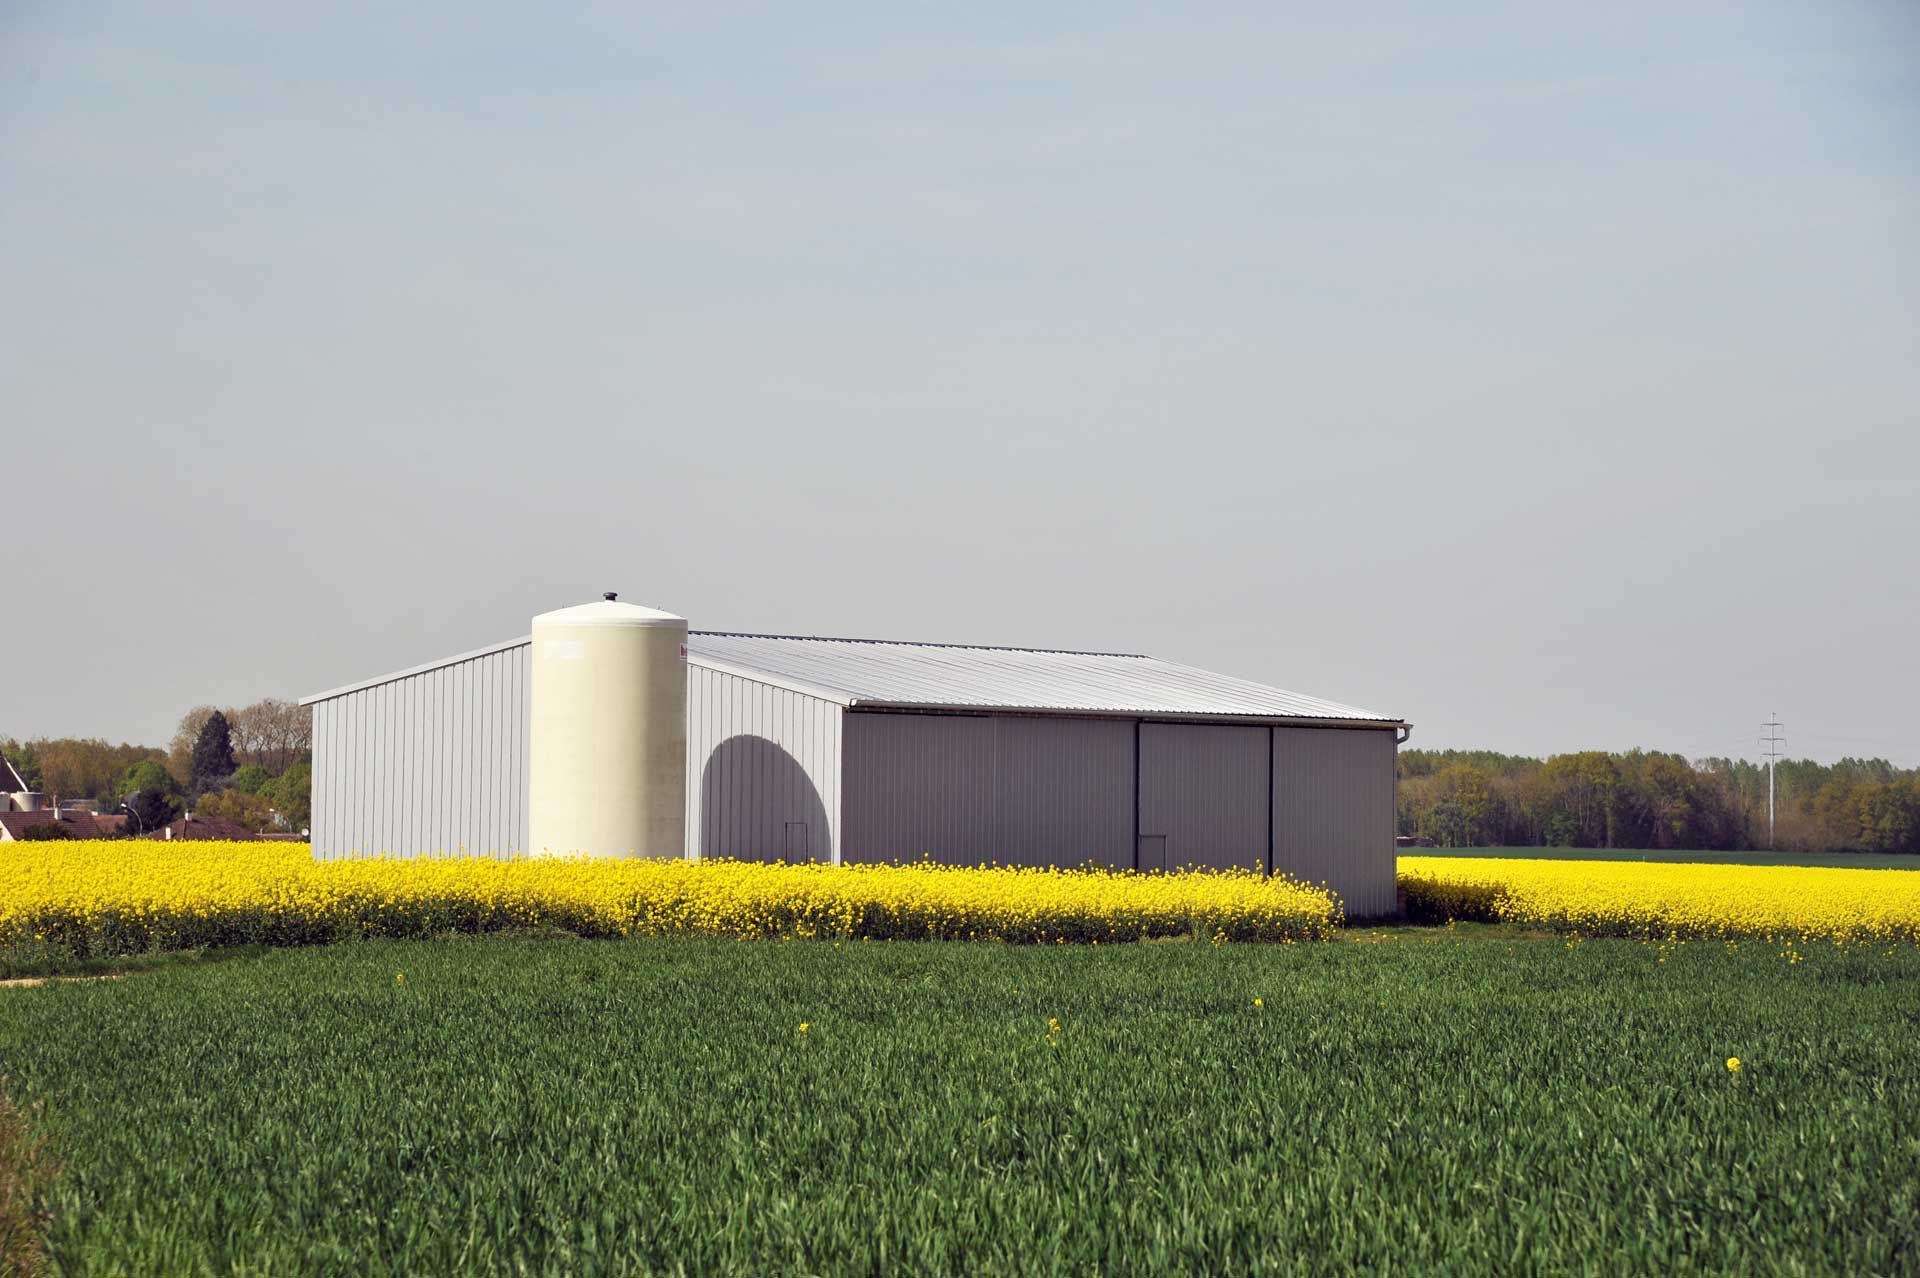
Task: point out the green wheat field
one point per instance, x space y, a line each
1457 1100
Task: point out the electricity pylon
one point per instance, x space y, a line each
1770 737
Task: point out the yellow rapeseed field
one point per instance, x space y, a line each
132 896
1636 898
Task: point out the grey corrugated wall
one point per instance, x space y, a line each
963 789
1203 788
1063 792
432 763
1333 813
763 770
918 786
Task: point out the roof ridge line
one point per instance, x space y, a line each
921 643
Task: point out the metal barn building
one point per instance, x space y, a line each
852 751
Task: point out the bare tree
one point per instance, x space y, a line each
286 732
247 729
271 732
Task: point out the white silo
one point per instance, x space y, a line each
607 757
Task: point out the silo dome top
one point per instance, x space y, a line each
608 612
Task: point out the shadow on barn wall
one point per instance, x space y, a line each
758 804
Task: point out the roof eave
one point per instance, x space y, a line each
410 671
1156 716
836 695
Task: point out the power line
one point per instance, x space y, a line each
1884 742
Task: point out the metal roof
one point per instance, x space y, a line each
867 672
410 671
892 674
12 774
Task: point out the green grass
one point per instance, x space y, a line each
1413 1100
30 961
1835 860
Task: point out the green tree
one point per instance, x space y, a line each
1461 812
291 794
248 778
1577 799
213 761
149 794
236 807
1891 816
149 809
81 767
1665 805
148 775
25 760
1645 798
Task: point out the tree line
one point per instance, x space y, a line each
251 766
1646 799
248 765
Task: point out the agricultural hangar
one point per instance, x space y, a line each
614 730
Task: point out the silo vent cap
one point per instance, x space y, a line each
611 595
607 612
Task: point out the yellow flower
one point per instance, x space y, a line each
1733 1064
804 1027
399 978
174 896
1259 1002
1786 906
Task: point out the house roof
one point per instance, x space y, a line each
201 828
82 825
890 674
10 779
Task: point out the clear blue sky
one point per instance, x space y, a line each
1548 374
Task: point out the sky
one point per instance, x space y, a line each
1546 374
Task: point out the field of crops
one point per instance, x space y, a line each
1817 860
1411 1101
67 902
1665 901
89 899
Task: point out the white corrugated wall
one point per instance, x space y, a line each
433 763
763 770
